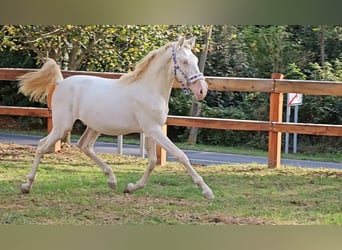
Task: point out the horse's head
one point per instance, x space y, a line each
186 69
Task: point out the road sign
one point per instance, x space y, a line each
294 99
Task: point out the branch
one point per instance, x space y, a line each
75 64
46 35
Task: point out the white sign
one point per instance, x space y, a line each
294 99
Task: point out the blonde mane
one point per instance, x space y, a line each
142 65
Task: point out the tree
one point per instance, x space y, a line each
269 45
322 38
110 48
196 106
69 44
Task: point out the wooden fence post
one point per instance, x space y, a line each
57 146
276 115
161 153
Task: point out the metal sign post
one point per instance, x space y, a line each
293 100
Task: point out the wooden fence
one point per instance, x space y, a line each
276 87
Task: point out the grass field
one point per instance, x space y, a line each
70 189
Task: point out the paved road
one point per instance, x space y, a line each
196 157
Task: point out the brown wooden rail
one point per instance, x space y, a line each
275 86
251 125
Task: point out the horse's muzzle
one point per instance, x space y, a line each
199 89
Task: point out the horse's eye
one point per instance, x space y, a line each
185 62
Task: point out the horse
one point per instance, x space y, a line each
137 102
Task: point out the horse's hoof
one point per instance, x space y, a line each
208 195
25 188
129 188
112 185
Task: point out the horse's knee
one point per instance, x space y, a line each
182 158
42 149
108 171
81 146
84 147
152 161
42 141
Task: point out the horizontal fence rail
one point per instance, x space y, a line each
217 123
276 87
251 125
25 111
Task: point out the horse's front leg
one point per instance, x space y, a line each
167 144
152 162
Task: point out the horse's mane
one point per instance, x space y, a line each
143 64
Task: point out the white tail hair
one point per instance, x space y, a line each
37 84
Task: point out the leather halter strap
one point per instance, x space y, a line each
176 67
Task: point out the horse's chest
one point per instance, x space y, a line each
155 110
159 114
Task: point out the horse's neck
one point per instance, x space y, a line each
158 76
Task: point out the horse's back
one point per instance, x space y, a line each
85 82
85 87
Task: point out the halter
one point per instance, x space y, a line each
189 80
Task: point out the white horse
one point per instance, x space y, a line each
135 103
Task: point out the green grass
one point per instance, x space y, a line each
70 189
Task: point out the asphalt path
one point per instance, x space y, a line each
196 157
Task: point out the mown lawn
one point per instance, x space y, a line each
70 189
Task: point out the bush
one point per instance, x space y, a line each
220 137
9 90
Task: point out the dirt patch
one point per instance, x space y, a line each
235 220
15 149
145 201
181 216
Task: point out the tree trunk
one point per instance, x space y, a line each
67 138
196 106
73 61
322 43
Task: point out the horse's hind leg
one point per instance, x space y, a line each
43 147
152 162
86 144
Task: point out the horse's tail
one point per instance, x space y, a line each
37 84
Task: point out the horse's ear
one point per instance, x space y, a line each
192 42
180 42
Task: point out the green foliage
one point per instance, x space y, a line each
179 104
111 48
319 109
68 44
323 109
221 137
294 72
9 91
228 54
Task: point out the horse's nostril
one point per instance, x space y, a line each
201 92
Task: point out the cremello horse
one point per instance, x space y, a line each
135 103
